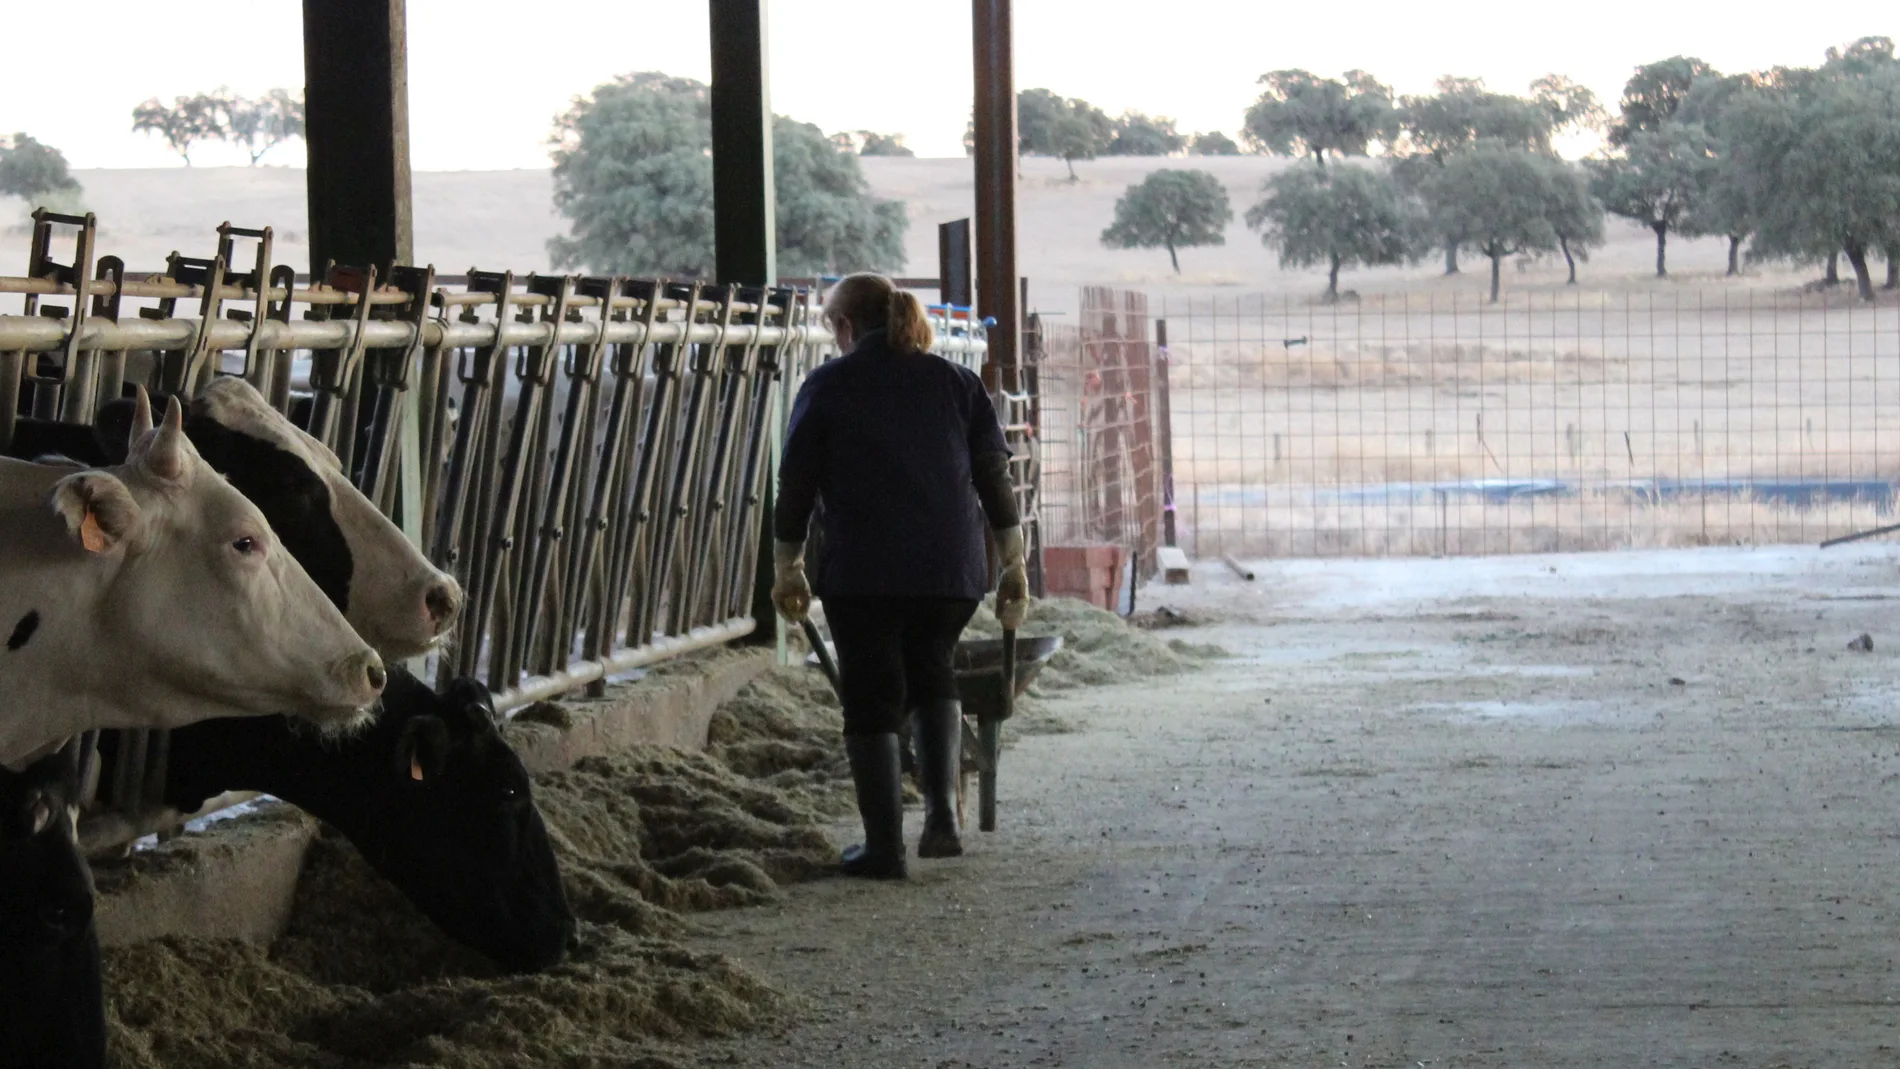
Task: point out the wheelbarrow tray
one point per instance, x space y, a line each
979 667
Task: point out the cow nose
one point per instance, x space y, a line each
443 601
376 674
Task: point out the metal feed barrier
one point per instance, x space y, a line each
588 455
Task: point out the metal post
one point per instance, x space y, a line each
745 230
356 114
953 263
996 272
1166 419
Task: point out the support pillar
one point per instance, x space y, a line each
356 117
356 127
996 270
745 230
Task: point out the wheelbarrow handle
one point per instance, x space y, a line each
824 655
1009 672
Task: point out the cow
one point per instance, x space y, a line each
153 594
52 1012
430 794
399 602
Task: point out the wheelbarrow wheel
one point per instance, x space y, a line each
989 732
970 762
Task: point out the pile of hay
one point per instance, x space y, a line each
360 978
1098 647
655 830
785 729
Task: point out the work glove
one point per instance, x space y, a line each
791 593
1012 590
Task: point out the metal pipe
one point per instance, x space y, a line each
580 673
157 286
42 334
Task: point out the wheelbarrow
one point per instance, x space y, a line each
990 676
991 673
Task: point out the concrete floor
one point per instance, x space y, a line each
1611 810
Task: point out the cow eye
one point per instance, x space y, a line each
245 546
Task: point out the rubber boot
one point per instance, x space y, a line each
939 759
880 787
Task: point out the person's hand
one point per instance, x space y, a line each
1012 590
791 592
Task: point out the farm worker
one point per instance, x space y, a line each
902 454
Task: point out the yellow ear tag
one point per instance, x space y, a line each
90 535
415 769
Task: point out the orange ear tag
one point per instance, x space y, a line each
90 535
415 769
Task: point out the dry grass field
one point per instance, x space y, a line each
1307 428
502 219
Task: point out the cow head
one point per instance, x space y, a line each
203 605
51 1008
391 594
444 809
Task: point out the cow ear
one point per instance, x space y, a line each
473 704
99 511
422 751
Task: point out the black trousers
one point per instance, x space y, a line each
894 653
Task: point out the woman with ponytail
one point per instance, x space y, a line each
902 453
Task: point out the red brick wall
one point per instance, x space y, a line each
1092 573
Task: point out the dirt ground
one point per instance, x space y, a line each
1597 810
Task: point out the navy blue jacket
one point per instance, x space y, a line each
888 442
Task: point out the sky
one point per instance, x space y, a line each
487 79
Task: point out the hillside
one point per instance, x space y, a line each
502 219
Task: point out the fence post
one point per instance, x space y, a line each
1032 383
1166 420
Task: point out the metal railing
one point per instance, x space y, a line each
590 456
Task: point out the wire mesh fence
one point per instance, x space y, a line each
1442 424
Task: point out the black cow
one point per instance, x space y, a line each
52 1013
432 796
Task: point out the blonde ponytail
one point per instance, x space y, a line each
906 325
872 302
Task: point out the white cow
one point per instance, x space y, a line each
399 602
153 594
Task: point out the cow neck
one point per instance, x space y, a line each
62 670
